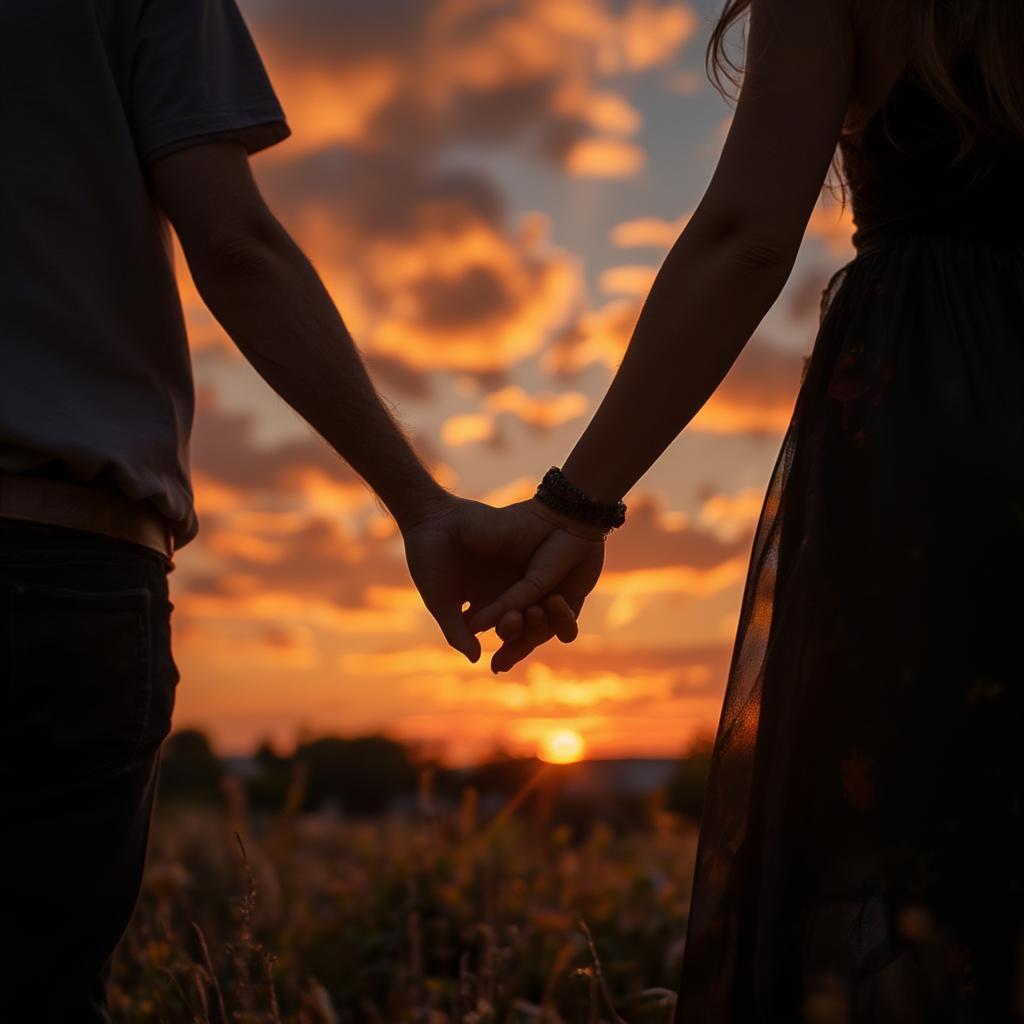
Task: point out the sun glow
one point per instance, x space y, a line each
563 746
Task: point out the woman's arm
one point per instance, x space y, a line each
732 260
730 263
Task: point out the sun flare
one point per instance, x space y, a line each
562 746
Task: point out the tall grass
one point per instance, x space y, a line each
433 918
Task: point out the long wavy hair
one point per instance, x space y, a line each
941 34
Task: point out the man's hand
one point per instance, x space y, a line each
502 561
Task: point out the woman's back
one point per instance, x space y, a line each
903 174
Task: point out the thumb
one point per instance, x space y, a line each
546 569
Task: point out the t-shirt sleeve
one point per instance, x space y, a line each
197 76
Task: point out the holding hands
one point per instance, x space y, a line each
524 570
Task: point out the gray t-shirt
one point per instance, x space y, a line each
95 374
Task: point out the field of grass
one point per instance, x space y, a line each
438 916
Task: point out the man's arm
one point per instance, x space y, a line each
267 296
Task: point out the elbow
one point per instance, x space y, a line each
746 244
246 253
760 254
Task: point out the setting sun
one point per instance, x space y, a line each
563 746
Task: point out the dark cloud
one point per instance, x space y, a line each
429 253
222 447
456 72
323 33
380 94
477 294
397 378
383 194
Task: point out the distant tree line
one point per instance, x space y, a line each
366 776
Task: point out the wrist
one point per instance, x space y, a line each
415 505
585 531
559 493
593 480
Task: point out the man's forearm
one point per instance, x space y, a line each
270 300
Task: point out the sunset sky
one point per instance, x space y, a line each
487 188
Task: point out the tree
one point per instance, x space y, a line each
364 775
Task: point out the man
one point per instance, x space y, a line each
117 115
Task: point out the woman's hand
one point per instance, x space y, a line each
548 596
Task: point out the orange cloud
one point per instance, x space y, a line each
428 274
545 690
732 515
598 336
755 398
515 490
324 495
468 300
380 614
631 590
542 411
605 158
757 395
467 428
228 645
603 111
336 105
652 232
246 546
722 415
412 661
634 279
834 226
650 34
213 495
371 75
421 260
594 680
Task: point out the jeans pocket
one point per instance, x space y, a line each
81 679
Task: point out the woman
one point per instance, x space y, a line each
860 856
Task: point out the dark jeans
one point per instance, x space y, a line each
88 684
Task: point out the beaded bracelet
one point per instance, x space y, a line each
555 491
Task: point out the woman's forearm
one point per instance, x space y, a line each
710 294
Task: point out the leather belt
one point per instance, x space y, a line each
84 507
